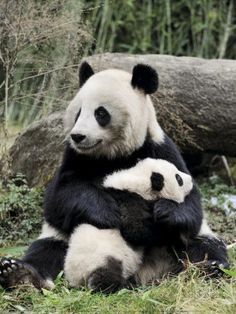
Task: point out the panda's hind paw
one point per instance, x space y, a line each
107 279
14 272
214 268
8 266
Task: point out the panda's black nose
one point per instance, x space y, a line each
77 138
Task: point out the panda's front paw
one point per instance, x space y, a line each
164 211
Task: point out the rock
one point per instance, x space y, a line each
37 152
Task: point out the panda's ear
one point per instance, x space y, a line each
145 78
85 72
157 181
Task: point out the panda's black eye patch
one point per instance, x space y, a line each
157 181
77 116
102 116
179 179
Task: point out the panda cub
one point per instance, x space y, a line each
151 179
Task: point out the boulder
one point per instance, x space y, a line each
37 152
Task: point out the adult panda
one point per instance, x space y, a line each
111 124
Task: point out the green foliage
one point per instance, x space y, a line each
12 251
20 211
218 218
203 28
229 272
215 187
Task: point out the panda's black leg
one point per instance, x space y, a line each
210 253
40 266
108 279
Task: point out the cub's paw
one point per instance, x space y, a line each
165 211
107 279
14 272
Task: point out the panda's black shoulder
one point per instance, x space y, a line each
166 150
91 168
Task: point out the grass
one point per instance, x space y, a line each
187 293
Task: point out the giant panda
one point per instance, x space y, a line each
110 126
149 178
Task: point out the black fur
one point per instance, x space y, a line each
179 179
145 78
85 71
102 116
108 279
47 256
136 216
157 181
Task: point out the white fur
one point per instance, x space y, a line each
137 179
48 284
89 248
131 111
205 230
49 232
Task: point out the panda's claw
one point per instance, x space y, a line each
213 268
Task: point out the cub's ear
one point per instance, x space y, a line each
85 72
157 181
145 78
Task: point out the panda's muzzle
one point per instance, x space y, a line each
81 141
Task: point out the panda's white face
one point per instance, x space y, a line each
108 117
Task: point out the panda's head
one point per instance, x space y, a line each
170 183
112 113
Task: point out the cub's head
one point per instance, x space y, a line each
112 113
170 183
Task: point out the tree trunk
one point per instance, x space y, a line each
196 99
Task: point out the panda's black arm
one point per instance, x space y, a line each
70 202
184 218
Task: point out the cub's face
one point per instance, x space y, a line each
170 183
110 114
